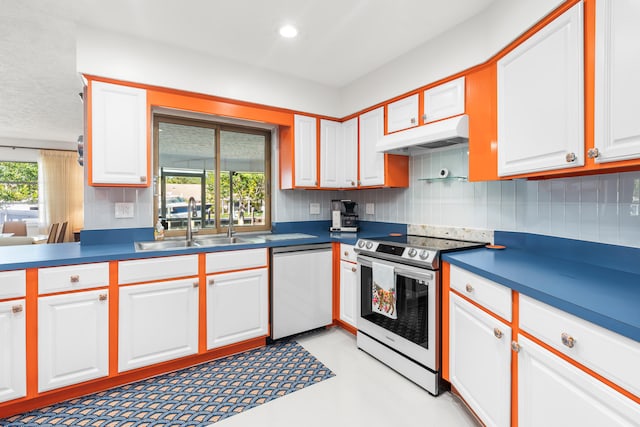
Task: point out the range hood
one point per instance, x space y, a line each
434 135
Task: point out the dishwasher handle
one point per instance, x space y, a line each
301 248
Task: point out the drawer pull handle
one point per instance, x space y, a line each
211 281
16 309
568 340
469 288
75 278
497 332
515 347
102 297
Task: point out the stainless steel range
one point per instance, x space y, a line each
399 311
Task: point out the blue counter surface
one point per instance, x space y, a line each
48 255
599 283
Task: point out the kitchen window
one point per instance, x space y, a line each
197 158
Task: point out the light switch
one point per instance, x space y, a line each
124 210
314 208
370 209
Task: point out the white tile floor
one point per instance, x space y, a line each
364 392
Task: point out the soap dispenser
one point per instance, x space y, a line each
159 231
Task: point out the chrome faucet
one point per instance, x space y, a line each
191 206
230 231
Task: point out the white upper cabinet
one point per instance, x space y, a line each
371 161
617 86
119 149
445 100
402 114
306 151
339 154
540 99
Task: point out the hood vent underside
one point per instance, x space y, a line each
434 135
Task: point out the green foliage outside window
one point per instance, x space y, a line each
18 182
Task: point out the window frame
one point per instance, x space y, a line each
218 127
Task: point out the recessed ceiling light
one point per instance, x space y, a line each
288 31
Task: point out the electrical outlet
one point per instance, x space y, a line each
370 209
124 210
314 208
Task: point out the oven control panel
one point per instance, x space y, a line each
417 255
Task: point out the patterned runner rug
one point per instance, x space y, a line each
195 396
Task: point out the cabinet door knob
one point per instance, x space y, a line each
424 117
17 309
593 153
568 340
346 253
468 288
354 269
353 183
211 281
75 278
143 179
413 120
515 347
102 297
571 157
497 332
196 284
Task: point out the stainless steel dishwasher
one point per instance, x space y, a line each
301 289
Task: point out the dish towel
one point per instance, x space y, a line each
383 297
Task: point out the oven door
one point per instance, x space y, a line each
414 333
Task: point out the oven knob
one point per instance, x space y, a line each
412 252
369 245
360 243
424 254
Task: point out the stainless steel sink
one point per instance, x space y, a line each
198 242
204 241
163 245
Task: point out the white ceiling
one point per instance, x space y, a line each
339 41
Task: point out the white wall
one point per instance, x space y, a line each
131 59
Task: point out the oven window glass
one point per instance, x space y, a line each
412 297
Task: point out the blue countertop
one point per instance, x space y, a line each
48 255
593 281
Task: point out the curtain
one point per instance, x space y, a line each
62 190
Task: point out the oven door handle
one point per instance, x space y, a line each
399 269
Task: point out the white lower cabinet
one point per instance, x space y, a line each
73 338
237 307
480 361
13 374
553 392
158 322
348 292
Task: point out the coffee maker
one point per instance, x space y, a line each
343 216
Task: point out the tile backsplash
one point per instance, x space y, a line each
600 208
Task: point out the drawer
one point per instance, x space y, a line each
13 284
611 355
236 260
490 295
145 270
72 277
347 252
